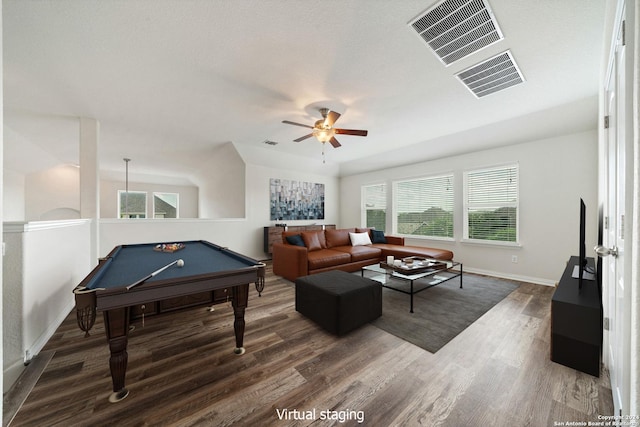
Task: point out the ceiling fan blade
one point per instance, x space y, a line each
355 132
302 138
297 124
331 118
334 142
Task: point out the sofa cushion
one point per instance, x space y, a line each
359 239
295 239
323 258
360 253
314 240
338 237
377 236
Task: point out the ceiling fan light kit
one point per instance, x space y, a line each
323 135
323 129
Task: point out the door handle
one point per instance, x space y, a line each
602 251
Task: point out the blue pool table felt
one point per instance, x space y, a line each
130 263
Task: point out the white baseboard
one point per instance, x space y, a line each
534 280
38 344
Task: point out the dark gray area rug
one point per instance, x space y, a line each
441 312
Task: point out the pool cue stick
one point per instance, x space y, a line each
160 270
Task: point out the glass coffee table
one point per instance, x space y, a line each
428 272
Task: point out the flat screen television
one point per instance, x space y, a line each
583 248
584 272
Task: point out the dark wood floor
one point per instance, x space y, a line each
182 371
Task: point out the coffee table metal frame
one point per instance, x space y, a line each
453 270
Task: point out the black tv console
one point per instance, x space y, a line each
576 322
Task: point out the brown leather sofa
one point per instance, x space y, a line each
326 250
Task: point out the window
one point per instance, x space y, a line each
491 204
374 206
132 204
165 205
424 207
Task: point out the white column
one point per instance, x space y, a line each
90 179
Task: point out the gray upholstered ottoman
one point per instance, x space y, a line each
339 302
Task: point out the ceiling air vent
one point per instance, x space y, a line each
454 29
492 75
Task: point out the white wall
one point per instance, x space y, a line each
54 194
44 261
188 197
13 196
222 185
554 174
51 189
244 235
12 320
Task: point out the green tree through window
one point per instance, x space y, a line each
374 206
491 204
425 206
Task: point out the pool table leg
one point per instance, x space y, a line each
239 300
117 329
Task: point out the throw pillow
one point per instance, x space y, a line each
359 239
337 238
378 236
296 240
312 240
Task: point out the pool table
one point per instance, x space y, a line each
123 287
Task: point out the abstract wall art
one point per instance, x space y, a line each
290 200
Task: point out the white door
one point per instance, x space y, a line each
613 233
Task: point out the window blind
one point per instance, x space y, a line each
491 198
424 206
374 207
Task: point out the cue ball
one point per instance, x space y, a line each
180 263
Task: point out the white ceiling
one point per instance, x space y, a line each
169 81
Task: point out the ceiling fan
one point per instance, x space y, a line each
323 129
